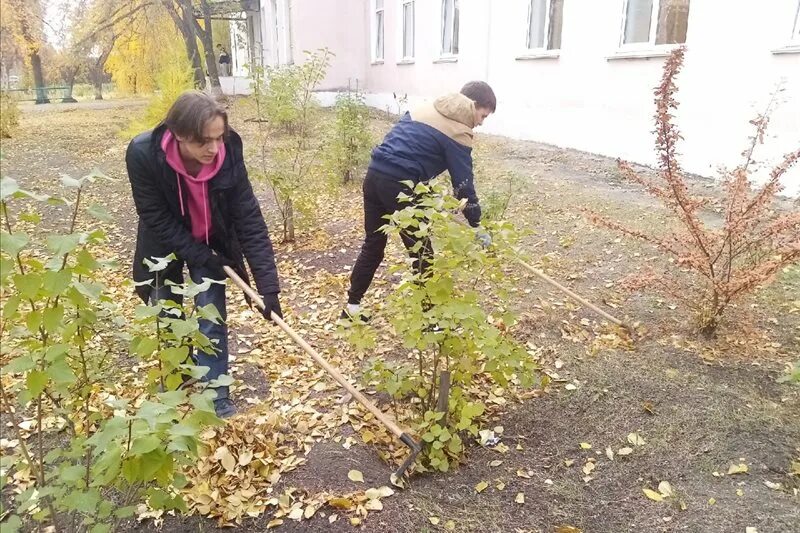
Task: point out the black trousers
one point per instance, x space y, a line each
380 199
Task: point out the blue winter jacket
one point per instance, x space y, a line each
429 140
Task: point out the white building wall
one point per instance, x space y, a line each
588 97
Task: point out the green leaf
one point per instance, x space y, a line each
173 398
11 306
145 444
56 282
28 284
31 217
144 346
8 186
13 243
12 524
99 212
157 264
52 318
36 381
70 182
60 245
101 528
60 372
71 474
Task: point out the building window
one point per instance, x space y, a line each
377 30
655 22
796 30
545 18
408 29
449 27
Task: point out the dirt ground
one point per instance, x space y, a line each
699 406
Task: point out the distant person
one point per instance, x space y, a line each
424 143
224 61
194 199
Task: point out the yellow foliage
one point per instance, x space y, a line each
144 50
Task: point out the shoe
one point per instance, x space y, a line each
346 319
224 408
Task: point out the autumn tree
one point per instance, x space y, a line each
24 19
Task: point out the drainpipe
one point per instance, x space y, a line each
488 40
289 31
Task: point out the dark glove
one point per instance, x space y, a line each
216 262
272 305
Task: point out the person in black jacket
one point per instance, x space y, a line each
423 144
194 199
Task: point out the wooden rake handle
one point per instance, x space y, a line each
335 374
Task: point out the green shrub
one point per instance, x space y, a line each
350 141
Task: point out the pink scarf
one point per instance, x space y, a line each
197 186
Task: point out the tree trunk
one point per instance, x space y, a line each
69 79
288 225
38 78
184 21
207 38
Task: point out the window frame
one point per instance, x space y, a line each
443 11
375 31
547 27
402 40
795 37
651 42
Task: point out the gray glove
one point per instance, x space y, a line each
483 237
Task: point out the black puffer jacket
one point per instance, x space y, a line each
238 226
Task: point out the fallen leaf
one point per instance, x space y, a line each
341 503
568 529
373 505
773 486
712 501
588 467
520 498
434 520
625 451
739 492
450 525
750 530
609 453
496 463
665 489
635 439
523 474
296 514
355 521
741 468
274 523
398 482
570 386
500 485
332 518
356 476
653 495
480 487
569 462
586 446
380 492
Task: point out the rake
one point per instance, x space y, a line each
390 424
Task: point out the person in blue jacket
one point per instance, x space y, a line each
423 144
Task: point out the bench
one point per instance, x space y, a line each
31 95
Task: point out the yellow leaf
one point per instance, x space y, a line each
588 467
377 494
356 476
569 462
310 511
609 453
586 446
373 505
635 439
355 521
223 455
653 495
434 520
665 489
567 529
741 468
480 487
496 463
341 503
739 492
712 501
523 474
367 436
274 523
625 451
450 525
296 514
520 498
500 485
